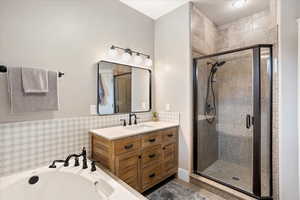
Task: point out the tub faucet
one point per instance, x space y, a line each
55 161
83 154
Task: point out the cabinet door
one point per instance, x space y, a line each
127 169
169 164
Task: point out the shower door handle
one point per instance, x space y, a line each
248 121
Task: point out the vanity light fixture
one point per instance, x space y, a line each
239 3
113 52
138 59
148 62
128 54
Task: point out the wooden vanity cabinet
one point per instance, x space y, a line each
141 161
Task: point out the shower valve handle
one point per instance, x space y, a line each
248 121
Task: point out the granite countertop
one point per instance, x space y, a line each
118 132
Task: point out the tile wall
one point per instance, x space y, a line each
27 145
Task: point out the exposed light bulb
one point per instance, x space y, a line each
126 57
148 62
239 3
138 59
113 52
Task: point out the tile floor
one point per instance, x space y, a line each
180 190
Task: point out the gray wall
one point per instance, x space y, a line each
69 36
288 138
173 74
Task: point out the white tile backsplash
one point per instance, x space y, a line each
27 145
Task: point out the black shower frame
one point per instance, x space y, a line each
256 174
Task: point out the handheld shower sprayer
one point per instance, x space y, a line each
210 107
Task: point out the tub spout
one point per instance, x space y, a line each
83 154
55 161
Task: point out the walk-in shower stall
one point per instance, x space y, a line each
233 119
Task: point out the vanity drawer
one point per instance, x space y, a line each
169 135
151 139
126 145
150 176
169 152
151 155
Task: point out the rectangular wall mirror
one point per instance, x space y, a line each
123 89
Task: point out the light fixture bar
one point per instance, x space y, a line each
130 51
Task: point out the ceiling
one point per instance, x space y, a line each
222 12
219 11
154 8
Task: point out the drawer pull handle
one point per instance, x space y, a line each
152 140
170 135
152 155
129 146
152 175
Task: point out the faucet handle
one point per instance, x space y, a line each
84 163
124 122
76 162
83 151
93 166
135 120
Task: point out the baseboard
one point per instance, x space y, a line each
184 175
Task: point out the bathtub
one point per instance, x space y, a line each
64 183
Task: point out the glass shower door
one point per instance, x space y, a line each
225 119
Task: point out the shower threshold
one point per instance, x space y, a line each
233 174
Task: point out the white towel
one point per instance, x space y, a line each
34 80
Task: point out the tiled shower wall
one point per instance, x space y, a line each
258 28
204 33
26 145
234 85
208 140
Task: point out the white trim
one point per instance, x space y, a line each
184 175
119 61
298 102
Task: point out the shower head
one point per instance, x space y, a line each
215 65
219 64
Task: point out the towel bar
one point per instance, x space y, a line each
3 69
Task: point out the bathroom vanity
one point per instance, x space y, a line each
141 155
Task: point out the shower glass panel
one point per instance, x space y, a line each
232 119
266 109
224 103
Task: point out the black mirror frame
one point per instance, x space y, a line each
150 87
